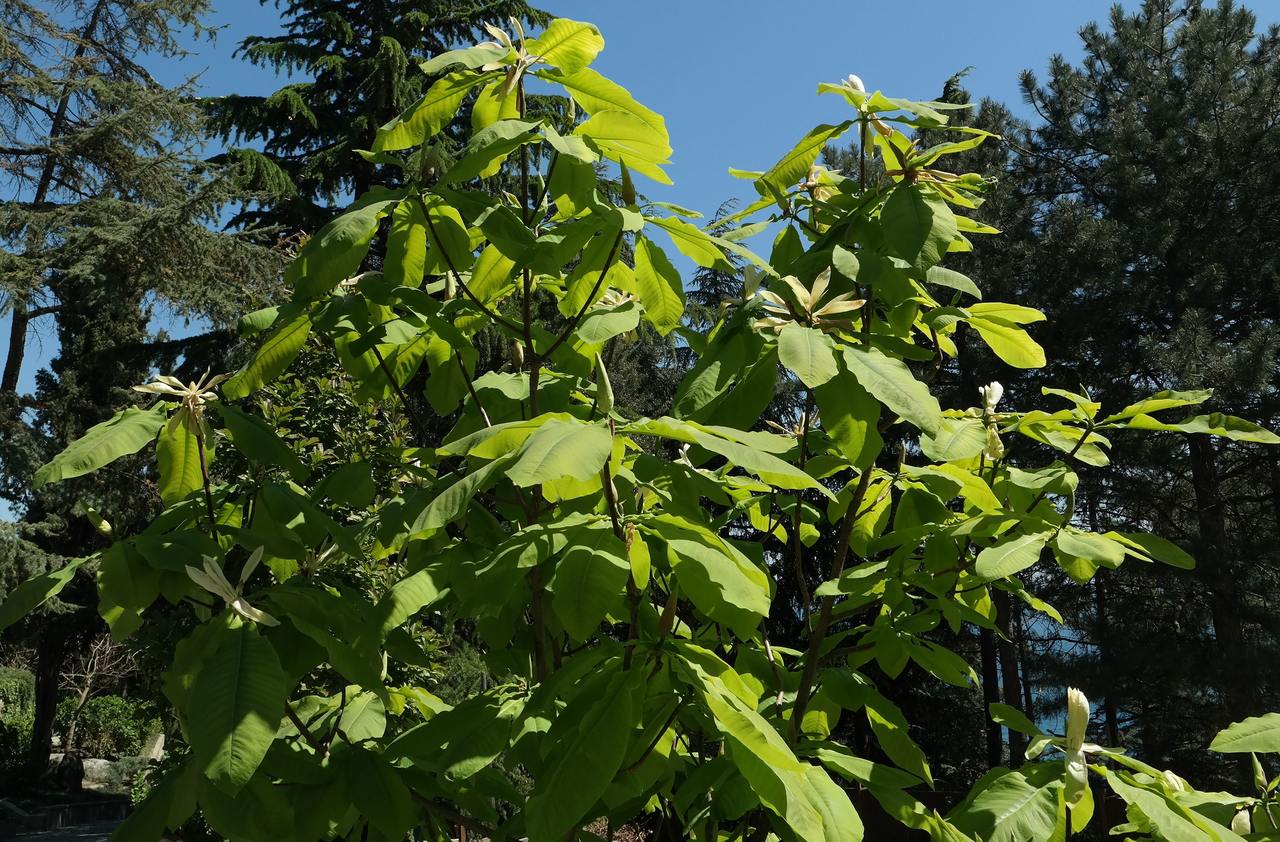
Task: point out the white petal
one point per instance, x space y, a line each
1077 776
1077 718
256 615
250 565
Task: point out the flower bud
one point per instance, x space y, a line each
994 448
991 395
855 82
1240 823
1077 717
604 389
1077 765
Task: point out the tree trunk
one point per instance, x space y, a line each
1008 654
1215 568
1108 676
50 654
991 695
1102 638
21 305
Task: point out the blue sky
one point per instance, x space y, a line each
736 79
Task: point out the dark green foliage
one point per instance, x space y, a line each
1139 211
354 66
17 693
108 726
108 220
1156 188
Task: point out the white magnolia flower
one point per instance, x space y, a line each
213 580
854 81
1240 822
503 41
1077 724
193 395
991 395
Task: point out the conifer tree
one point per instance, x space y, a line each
1140 212
109 218
354 64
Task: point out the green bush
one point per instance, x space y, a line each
108 726
17 694
17 706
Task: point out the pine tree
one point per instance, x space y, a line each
112 217
1141 216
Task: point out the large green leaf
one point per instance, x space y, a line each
335 252
1213 424
489 147
1257 733
126 432
628 139
808 353
918 225
693 242
1010 556
561 448
1014 807
893 384
469 57
587 744
1009 342
636 134
465 739
956 439
259 442
567 44
602 323
761 755
721 582
35 591
853 768
891 731
167 807
127 585
178 456
1168 820
378 793
280 349
1155 548
1161 401
404 599
850 416
426 117
794 166
749 457
450 504
236 706
658 287
405 260
590 580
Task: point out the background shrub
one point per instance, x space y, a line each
108 726
17 693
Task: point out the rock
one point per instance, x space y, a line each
98 770
153 748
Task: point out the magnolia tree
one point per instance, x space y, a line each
589 552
